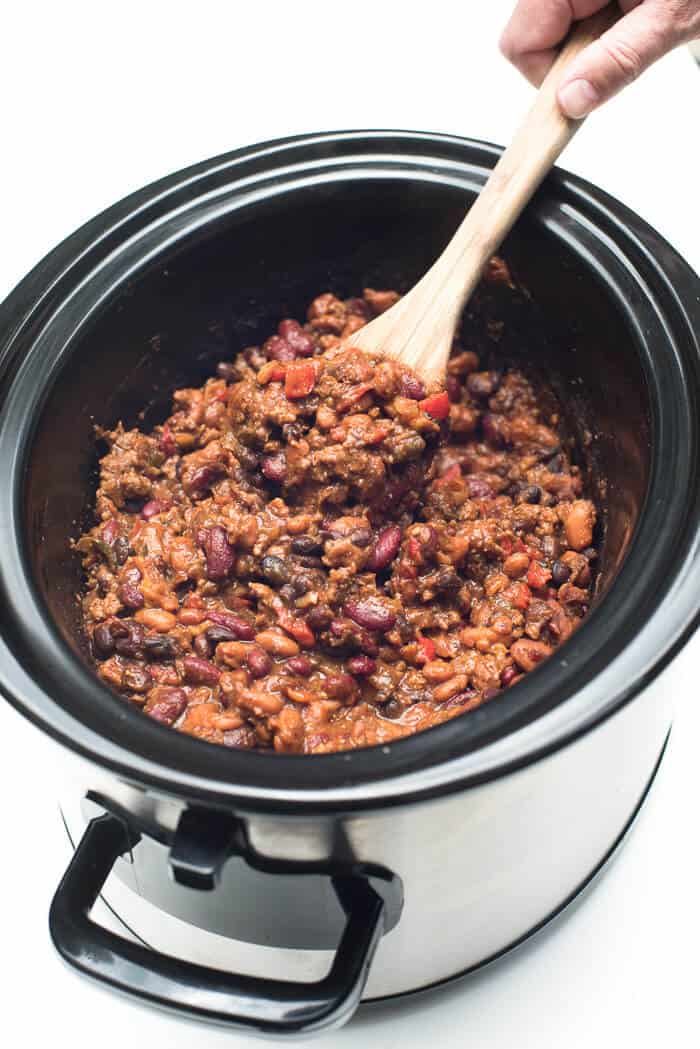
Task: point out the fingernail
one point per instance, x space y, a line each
578 98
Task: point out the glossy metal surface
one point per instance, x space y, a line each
480 868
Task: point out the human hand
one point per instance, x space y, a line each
647 30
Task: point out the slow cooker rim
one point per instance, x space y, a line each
346 762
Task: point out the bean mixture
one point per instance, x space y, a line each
314 553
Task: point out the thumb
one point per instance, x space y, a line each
616 59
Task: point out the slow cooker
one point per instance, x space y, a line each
275 892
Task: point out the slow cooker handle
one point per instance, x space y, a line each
270 1006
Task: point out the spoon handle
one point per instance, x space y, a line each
419 329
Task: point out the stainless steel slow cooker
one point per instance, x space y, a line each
274 892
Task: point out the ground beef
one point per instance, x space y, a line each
314 554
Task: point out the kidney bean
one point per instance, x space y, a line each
560 573
131 643
300 665
130 596
490 693
136 678
478 487
239 627
200 671
412 387
340 686
385 549
102 641
220 555
508 674
370 613
305 545
165 704
259 663
295 336
274 570
202 478
527 654
160 647
361 666
274 467
153 507
279 349
483 384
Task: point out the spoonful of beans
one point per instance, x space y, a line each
418 330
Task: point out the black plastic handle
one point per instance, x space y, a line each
267 1006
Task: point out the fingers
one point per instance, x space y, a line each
621 54
535 29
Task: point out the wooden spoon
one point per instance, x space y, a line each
419 329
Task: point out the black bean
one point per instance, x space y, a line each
305 544
247 458
483 384
560 573
226 371
217 634
288 593
532 493
555 464
158 646
103 641
121 549
590 553
131 644
274 570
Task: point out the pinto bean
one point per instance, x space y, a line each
156 619
277 644
527 654
516 565
200 671
579 524
450 688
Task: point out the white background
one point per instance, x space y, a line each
99 99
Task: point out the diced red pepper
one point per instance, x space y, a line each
354 394
507 545
538 575
298 628
273 371
427 650
437 405
300 379
519 595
